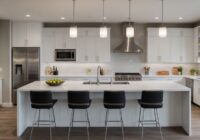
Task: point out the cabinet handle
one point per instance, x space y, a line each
97 58
86 58
159 58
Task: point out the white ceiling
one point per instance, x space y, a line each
91 10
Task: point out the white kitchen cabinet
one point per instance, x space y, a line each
48 46
1 91
26 34
196 92
197 44
90 48
177 47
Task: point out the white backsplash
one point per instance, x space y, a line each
119 63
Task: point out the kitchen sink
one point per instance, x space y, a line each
107 83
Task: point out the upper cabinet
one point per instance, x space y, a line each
90 48
26 34
197 44
177 47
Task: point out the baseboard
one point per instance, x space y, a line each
7 105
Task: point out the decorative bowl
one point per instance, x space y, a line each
54 82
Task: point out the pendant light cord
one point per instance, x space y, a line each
103 12
74 11
162 11
129 18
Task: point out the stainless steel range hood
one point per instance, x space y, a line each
128 45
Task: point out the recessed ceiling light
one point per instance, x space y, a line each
156 18
180 18
62 18
28 16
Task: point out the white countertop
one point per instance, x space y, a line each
135 86
75 76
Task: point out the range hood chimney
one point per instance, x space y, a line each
128 45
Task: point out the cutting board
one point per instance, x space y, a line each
175 71
162 72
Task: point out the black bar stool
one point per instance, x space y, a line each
150 100
42 100
79 100
114 100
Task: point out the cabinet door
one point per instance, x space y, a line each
176 49
49 45
188 49
34 34
152 52
19 34
61 38
196 92
164 49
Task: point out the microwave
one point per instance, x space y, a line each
65 54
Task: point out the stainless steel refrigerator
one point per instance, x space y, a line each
25 68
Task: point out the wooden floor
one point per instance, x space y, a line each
8 130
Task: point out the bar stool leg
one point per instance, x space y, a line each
38 119
54 118
142 124
33 124
88 124
106 123
139 118
122 124
50 124
159 125
156 120
71 123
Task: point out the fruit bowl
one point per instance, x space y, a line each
54 82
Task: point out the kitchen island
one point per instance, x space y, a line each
176 110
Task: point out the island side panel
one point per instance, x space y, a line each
22 116
186 113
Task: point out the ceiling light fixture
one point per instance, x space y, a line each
162 29
62 18
73 31
180 18
129 28
156 18
28 15
103 32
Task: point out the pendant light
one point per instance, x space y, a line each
103 31
129 28
162 29
73 31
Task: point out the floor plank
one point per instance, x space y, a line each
8 130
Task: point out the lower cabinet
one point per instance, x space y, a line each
196 92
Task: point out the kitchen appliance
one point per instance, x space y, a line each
190 84
128 76
65 54
25 68
128 45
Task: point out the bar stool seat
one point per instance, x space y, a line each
72 105
150 105
43 105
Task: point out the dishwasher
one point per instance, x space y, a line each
190 84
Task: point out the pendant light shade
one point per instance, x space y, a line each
73 31
129 29
162 32
103 32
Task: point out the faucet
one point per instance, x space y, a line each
98 73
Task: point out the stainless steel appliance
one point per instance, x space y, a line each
25 67
65 54
128 76
190 84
